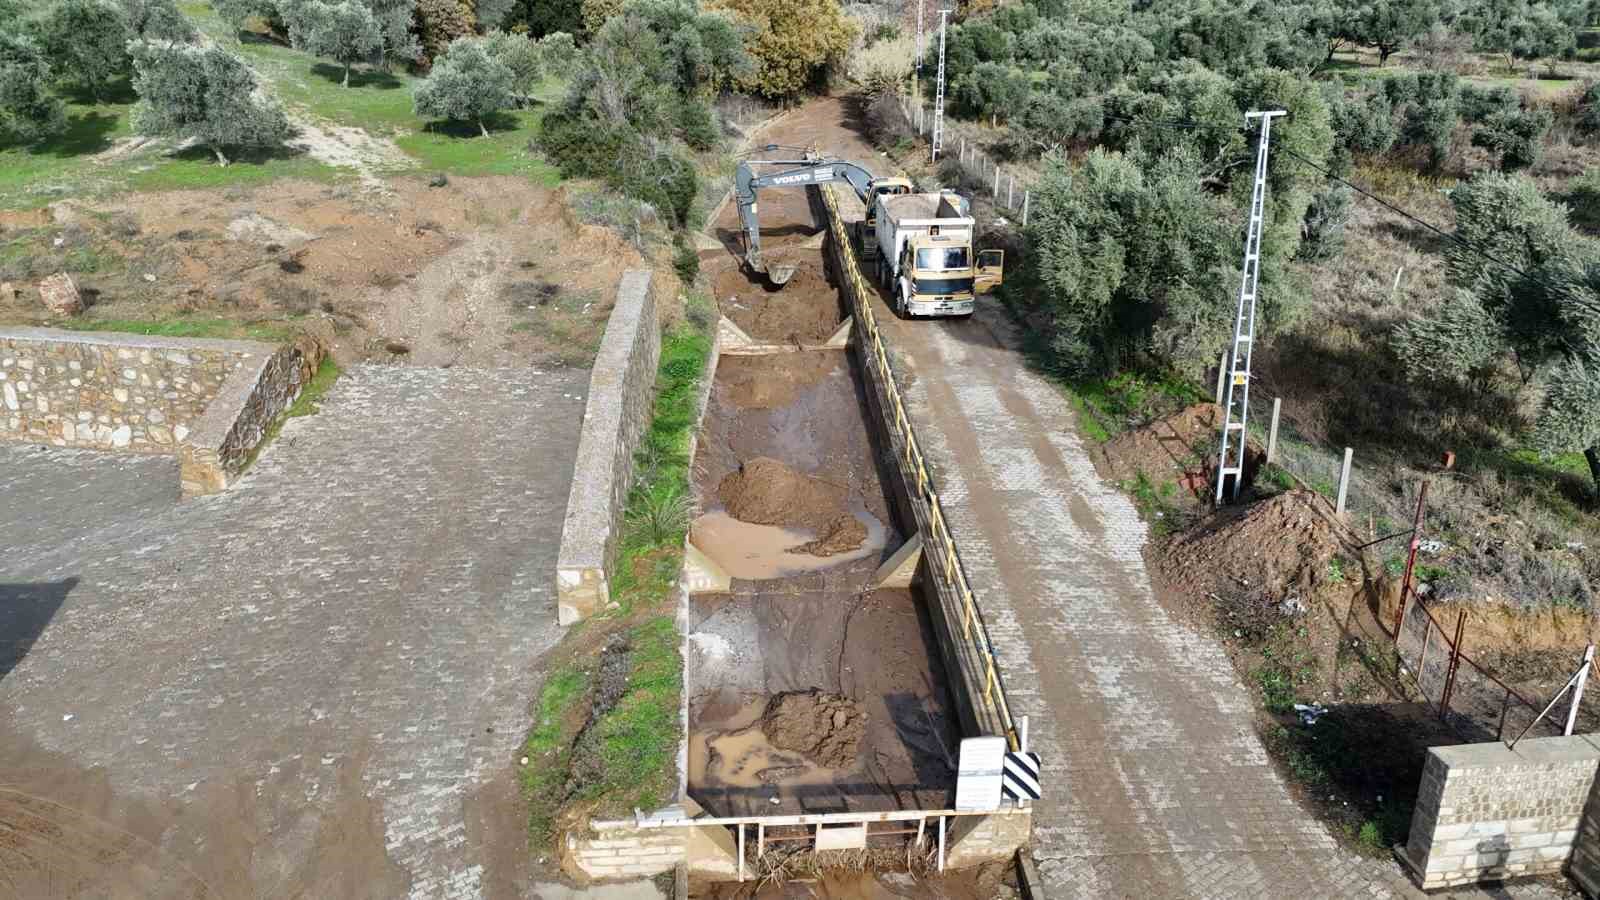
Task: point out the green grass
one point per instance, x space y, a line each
310 400
1109 406
629 752
378 102
184 327
547 748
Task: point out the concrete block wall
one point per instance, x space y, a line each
1584 866
621 400
259 391
110 391
1485 812
208 402
975 840
626 853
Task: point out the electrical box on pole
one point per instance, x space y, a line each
938 103
1236 397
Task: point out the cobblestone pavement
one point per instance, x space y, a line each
315 683
1156 783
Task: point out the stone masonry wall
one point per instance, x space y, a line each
1488 813
621 399
1585 865
208 402
107 391
625 853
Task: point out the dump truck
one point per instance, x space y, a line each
925 258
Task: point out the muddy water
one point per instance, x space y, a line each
795 622
759 552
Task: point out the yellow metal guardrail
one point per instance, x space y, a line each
941 549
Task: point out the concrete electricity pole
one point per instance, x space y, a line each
1236 401
938 103
916 73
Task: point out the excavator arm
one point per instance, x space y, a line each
807 172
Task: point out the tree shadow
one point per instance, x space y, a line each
119 91
461 128
25 610
262 38
1415 236
86 134
200 153
377 79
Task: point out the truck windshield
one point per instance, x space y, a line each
938 258
943 285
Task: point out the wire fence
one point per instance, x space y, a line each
980 170
1472 701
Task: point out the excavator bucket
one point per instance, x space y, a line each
780 275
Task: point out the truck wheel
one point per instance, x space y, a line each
902 308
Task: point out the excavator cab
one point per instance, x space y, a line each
989 275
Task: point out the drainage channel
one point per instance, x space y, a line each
812 688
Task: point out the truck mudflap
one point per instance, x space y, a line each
943 306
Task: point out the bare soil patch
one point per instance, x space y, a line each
1177 448
427 275
806 310
771 382
824 728
1283 544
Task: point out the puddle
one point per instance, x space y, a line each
736 754
759 552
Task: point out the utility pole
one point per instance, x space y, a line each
916 73
1236 400
938 103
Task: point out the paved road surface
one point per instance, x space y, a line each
1158 786
315 682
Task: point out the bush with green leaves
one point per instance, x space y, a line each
521 55
991 91
1588 111
440 22
206 94
791 43
1515 137
237 14
86 41
345 32
1322 234
467 84
28 110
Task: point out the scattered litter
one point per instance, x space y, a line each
149 278
1575 545
1431 547
1310 713
67 717
524 760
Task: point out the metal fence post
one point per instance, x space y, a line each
997 181
1344 481
1011 192
1411 561
1025 196
1272 432
1577 693
1222 372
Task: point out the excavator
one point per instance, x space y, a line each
810 169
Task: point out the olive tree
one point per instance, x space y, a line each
346 32
1391 25
28 110
86 41
203 93
467 84
157 20
1517 29
1528 295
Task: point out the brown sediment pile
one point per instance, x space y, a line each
1281 544
824 728
767 492
805 310
843 534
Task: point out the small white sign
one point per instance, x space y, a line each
978 773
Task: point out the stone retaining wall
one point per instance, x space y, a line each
620 403
1487 813
208 402
1585 865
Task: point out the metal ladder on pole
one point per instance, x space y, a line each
938 103
1236 400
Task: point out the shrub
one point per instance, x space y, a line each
156 20
1515 136
27 108
440 22
1322 235
697 124
882 66
1588 118
522 56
